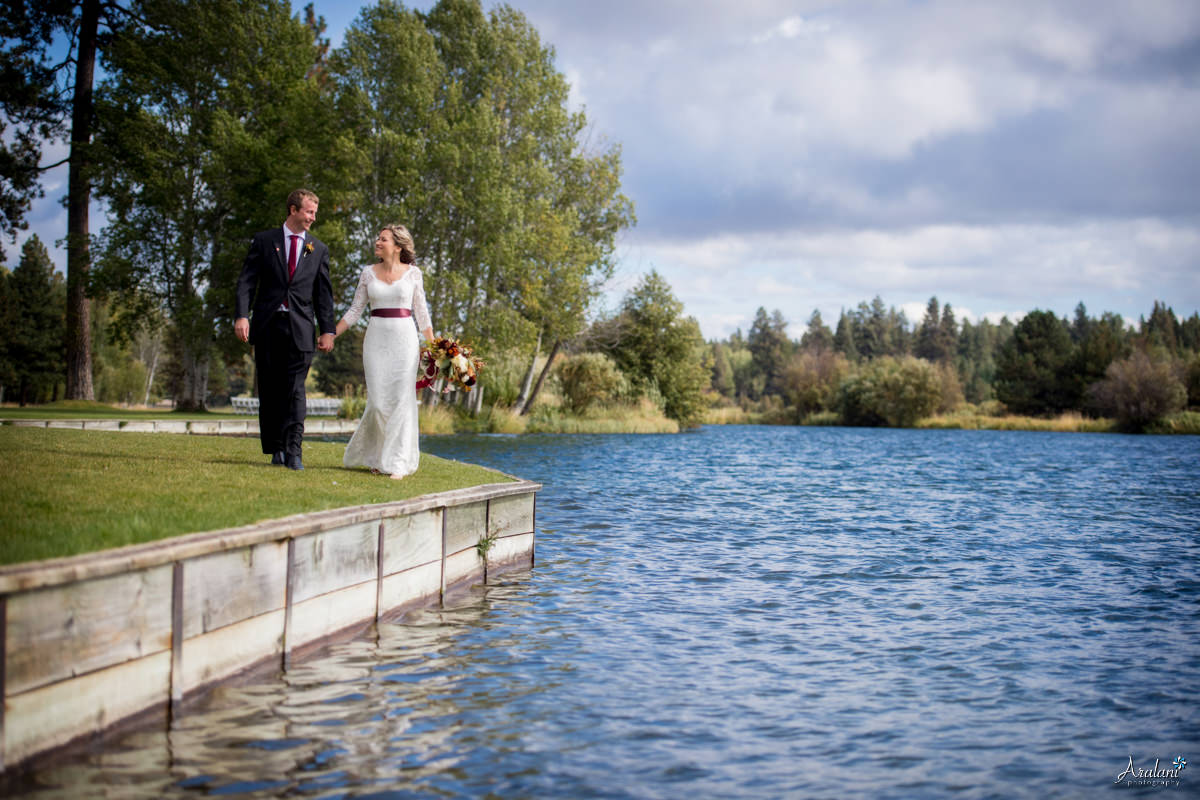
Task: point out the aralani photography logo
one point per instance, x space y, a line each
1152 776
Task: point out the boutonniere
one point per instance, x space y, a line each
308 247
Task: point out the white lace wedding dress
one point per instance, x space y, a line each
387 435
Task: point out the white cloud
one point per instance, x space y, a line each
1004 270
791 28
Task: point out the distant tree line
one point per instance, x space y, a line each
875 368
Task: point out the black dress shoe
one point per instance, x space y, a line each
294 462
278 460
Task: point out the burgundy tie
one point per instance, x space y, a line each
292 257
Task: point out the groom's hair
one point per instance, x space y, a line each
296 199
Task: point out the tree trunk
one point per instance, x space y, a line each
150 377
79 195
477 401
537 387
523 397
194 385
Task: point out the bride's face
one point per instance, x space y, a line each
385 248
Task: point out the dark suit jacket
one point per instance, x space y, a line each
263 286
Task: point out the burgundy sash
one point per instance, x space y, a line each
391 312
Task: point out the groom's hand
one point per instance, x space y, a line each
325 343
241 328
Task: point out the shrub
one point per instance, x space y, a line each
951 388
890 391
503 375
590 378
354 402
810 381
1139 390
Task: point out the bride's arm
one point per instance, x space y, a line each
421 308
356 308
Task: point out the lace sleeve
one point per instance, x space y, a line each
420 307
360 300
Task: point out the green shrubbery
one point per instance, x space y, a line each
811 381
590 379
1139 390
890 391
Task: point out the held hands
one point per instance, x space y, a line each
241 328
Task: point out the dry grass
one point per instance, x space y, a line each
973 420
642 417
730 415
436 421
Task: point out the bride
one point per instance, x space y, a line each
386 439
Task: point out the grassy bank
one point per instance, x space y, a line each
974 421
643 417
69 492
971 418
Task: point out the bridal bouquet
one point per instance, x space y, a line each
450 360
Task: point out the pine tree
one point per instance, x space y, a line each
1162 329
1033 373
817 338
845 340
35 345
770 348
947 334
929 345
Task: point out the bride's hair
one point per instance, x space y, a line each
404 240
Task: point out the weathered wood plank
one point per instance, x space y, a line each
334 559
511 550
411 540
462 566
54 715
210 657
74 629
465 525
329 613
23 577
405 588
229 587
510 515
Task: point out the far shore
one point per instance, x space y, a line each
625 419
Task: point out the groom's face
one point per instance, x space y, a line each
303 217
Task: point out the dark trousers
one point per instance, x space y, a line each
282 370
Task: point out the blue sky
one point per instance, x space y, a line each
811 155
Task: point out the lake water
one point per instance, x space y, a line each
756 612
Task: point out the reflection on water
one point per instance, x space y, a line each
753 612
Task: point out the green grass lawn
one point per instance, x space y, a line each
67 492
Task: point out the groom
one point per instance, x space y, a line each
286 278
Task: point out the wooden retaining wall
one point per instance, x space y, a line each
93 640
219 427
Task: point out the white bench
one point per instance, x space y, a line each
317 406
